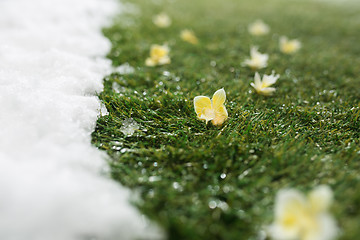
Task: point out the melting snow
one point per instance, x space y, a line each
129 127
53 183
125 68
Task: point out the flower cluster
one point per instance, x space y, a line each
297 217
159 55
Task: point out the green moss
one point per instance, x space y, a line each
206 182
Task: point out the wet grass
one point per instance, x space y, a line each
206 182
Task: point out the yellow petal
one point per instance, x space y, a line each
162 20
149 62
201 103
188 36
207 114
164 60
158 51
221 115
218 99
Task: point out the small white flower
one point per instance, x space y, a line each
263 86
258 28
257 60
303 217
289 46
162 20
189 36
159 55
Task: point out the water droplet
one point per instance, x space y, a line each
212 204
151 193
223 205
166 73
176 185
241 214
154 178
123 150
246 172
227 189
129 126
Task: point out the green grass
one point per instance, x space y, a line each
206 182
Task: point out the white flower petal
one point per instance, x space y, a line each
289 199
268 91
320 198
278 232
269 80
326 229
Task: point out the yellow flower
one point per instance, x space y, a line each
211 110
162 20
289 46
257 60
188 36
258 28
158 55
263 86
299 217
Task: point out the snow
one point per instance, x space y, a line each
129 126
125 68
53 183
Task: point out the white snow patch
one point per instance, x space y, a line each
53 183
125 68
